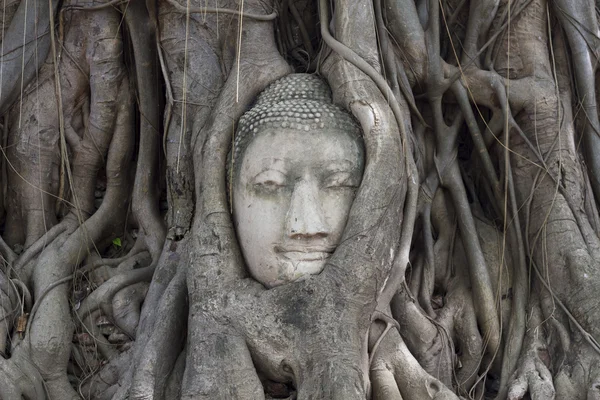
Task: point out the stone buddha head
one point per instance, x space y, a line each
296 164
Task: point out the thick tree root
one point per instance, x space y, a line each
393 358
20 377
533 377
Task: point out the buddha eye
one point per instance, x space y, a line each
340 180
269 183
270 179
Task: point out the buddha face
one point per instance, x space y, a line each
291 199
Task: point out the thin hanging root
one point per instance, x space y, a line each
389 324
210 10
145 188
7 253
570 13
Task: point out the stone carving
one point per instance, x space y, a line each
295 166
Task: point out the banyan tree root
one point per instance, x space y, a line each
461 315
533 374
266 327
100 139
10 308
395 370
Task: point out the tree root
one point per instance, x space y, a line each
20 378
102 384
8 310
102 297
174 256
163 347
394 361
314 334
126 306
533 377
145 195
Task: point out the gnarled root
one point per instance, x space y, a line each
8 310
533 375
166 342
393 360
126 306
20 378
103 384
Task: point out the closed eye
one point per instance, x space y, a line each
341 180
270 178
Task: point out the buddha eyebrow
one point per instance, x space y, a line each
269 162
340 165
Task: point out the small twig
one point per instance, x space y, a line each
27 299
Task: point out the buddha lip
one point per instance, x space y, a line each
306 256
308 253
304 249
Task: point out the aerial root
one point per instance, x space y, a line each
126 306
102 384
102 297
533 377
383 382
26 261
8 309
412 380
100 302
163 347
174 254
20 378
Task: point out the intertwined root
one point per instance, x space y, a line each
532 377
466 316
10 307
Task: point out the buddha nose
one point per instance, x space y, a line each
305 218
